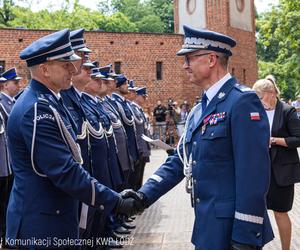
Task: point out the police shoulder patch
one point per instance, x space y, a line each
243 88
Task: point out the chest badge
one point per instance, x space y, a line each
221 95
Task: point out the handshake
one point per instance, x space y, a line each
131 203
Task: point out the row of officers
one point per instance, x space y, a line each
74 134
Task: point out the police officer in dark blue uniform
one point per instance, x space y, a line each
136 178
223 153
123 107
49 179
105 165
72 95
107 87
145 149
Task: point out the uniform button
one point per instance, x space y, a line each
212 134
101 207
57 212
195 181
258 235
194 163
194 143
197 200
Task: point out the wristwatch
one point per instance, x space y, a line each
273 141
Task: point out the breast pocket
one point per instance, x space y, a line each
215 132
216 143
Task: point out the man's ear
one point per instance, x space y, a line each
43 68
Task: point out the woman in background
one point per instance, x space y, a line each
285 165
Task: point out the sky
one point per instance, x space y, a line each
36 5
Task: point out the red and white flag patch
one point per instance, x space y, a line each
254 116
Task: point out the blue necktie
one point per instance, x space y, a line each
204 102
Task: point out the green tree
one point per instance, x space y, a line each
164 10
118 22
150 23
6 12
278 46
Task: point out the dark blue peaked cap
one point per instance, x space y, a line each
11 74
96 73
78 42
120 80
55 46
106 70
142 91
131 85
206 40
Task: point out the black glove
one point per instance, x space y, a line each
128 207
139 196
170 151
239 246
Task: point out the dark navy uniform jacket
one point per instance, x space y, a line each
106 167
48 181
72 101
122 106
120 134
227 147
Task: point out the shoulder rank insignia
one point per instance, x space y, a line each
243 88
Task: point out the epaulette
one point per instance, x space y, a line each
43 100
242 88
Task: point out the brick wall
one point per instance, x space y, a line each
139 52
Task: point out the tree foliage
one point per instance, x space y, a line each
112 15
278 46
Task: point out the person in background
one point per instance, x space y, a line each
296 104
285 165
9 86
160 114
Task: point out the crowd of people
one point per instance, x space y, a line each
72 154
169 119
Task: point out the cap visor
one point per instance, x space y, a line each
183 52
18 78
108 79
88 64
2 79
84 50
70 58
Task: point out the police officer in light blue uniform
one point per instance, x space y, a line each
49 179
223 153
5 174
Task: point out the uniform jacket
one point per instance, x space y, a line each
285 160
4 159
120 135
72 101
141 128
106 167
6 105
228 150
48 181
122 106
